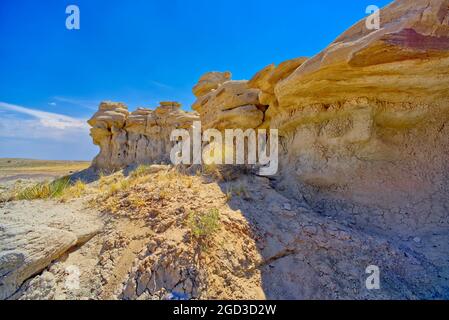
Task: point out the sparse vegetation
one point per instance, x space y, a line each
140 171
118 186
74 191
228 193
239 191
204 225
43 190
136 201
212 170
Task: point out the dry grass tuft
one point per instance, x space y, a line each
43 190
204 225
76 190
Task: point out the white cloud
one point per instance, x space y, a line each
47 119
87 104
40 125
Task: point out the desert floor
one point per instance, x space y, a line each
130 236
12 169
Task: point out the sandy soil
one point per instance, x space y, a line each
266 246
15 169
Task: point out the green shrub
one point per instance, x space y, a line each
204 225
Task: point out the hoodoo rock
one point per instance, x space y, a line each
139 137
229 105
210 81
266 80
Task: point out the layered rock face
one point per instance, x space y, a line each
140 137
266 80
226 104
364 123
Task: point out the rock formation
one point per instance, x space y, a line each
31 239
139 137
210 81
266 80
363 180
226 104
364 122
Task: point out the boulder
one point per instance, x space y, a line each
31 239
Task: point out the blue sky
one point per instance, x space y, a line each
139 52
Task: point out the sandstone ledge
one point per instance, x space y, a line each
139 137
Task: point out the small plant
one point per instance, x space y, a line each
44 190
228 195
125 184
212 170
188 181
103 180
204 225
114 185
115 188
164 192
136 201
241 191
112 204
140 171
74 191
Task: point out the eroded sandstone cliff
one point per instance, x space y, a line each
362 123
139 137
228 104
